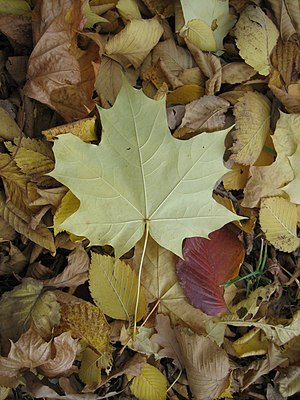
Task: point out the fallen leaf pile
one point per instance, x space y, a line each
149 201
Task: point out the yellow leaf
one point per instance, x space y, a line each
90 368
4 392
287 134
292 188
85 129
114 286
236 178
278 220
128 9
200 34
134 42
253 343
252 112
150 385
254 23
15 7
185 94
26 304
68 206
86 321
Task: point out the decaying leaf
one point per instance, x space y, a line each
85 129
289 381
15 7
287 16
254 23
206 24
236 72
150 385
8 128
207 365
127 199
33 306
278 220
207 264
113 286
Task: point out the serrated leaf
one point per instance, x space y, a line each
113 286
134 42
85 321
207 365
207 23
125 169
207 264
150 385
254 23
252 113
27 304
278 220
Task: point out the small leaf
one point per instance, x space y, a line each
150 385
278 220
85 129
68 206
8 128
254 23
90 368
114 286
207 365
207 264
185 94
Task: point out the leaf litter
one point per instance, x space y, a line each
149 205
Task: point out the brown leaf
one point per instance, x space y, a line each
60 74
236 72
13 261
75 273
17 28
207 365
65 348
287 16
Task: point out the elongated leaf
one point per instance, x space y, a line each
278 220
264 34
207 264
252 112
90 369
150 385
289 381
125 169
114 286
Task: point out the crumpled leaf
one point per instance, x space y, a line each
65 348
207 264
252 113
60 74
134 42
173 210
289 381
113 285
27 304
160 281
75 273
254 23
206 23
207 365
150 385
287 16
236 72
278 220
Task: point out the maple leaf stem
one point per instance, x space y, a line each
139 278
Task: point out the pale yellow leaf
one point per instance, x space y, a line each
128 9
134 42
267 181
287 16
255 24
200 34
4 392
287 134
65 350
278 220
207 365
113 286
8 128
85 129
150 385
15 7
289 381
252 112
292 188
68 206
26 304
236 178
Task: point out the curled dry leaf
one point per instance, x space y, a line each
287 17
254 23
236 72
252 112
60 74
207 365
27 304
207 264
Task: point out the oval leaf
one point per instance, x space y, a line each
150 385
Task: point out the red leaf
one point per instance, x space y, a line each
207 264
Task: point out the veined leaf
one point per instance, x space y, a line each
150 385
278 220
114 286
85 129
90 369
15 7
120 178
254 23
